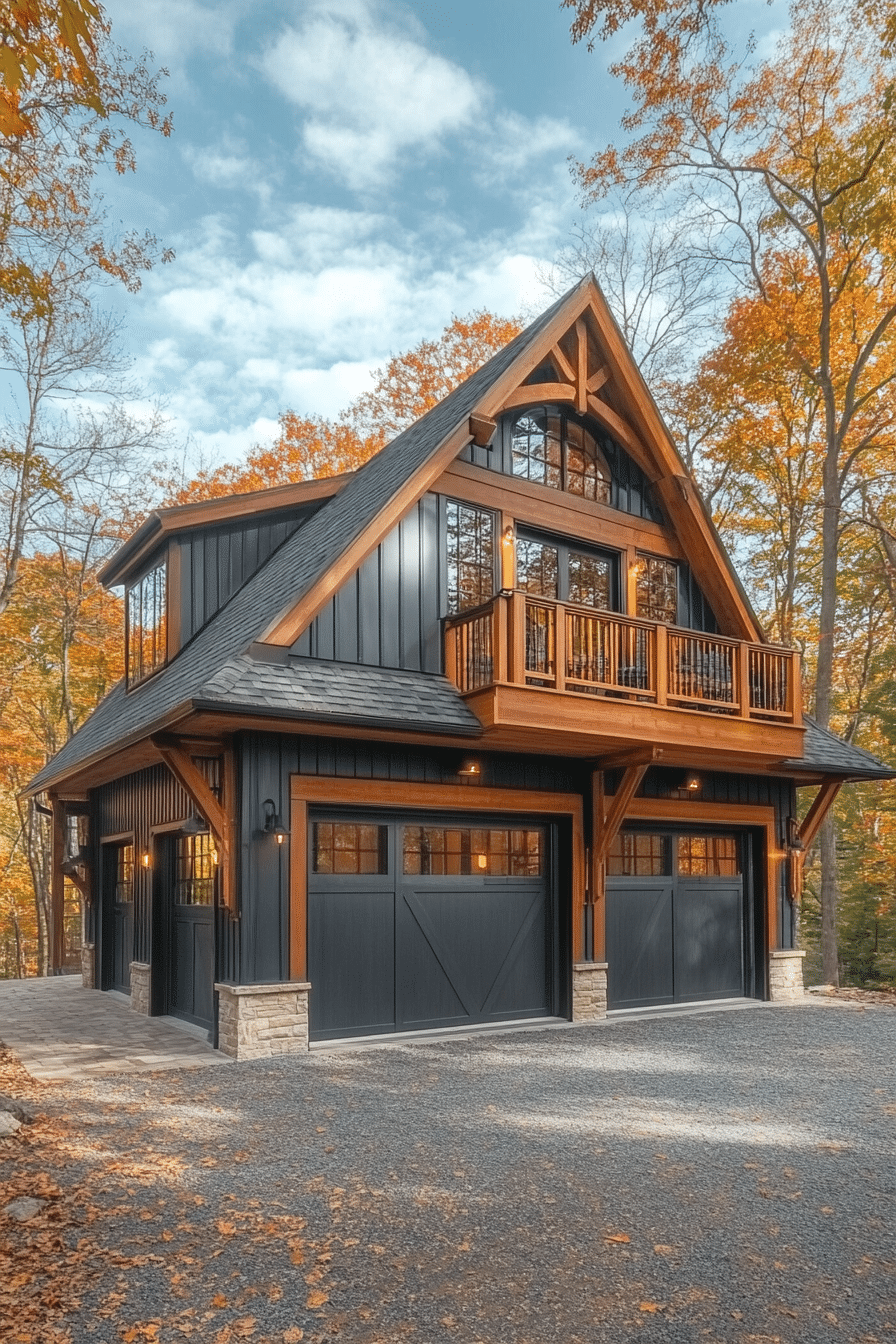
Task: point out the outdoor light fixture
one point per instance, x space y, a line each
144 859
272 823
693 783
214 857
470 769
194 825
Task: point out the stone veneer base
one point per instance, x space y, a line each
260 1021
88 972
589 991
140 987
785 975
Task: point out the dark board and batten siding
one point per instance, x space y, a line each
134 806
388 613
268 760
216 561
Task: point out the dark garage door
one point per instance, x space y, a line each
191 878
675 919
415 925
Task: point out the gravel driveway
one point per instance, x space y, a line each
727 1176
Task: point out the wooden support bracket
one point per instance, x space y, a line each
617 760
535 392
821 805
615 815
193 781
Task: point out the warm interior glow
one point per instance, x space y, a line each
481 861
470 768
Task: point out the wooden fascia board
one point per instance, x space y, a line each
821 805
285 628
713 567
164 523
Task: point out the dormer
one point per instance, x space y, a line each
184 563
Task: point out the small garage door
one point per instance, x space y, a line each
424 923
676 918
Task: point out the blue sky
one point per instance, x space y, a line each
344 175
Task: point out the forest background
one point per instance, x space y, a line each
745 235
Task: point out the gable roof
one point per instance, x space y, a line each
217 669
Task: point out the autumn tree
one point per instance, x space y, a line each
789 157
405 388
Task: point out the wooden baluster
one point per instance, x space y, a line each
742 687
794 689
560 632
660 664
500 625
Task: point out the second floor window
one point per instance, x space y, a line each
657 589
552 448
147 624
471 556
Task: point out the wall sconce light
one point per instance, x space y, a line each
144 858
272 824
194 825
507 536
213 855
794 839
692 783
470 769
637 567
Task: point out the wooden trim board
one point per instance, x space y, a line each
313 791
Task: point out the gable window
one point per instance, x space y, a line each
552 448
657 588
470 554
556 570
147 624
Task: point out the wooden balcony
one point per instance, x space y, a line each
614 680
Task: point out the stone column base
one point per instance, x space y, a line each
589 991
785 975
260 1021
140 987
88 971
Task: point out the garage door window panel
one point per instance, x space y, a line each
440 851
349 847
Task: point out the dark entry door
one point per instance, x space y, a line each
676 927
119 866
414 926
192 875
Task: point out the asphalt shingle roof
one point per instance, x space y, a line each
825 751
291 572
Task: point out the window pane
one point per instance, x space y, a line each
587 473
637 854
349 847
195 868
657 589
471 556
124 873
537 567
460 851
589 581
147 622
536 448
708 856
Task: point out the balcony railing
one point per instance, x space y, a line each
531 641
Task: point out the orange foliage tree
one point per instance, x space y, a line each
405 388
791 157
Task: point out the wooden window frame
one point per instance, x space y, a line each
445 501
315 791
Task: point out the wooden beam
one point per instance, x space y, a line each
821 805
597 380
563 364
193 781
229 874
533 393
581 366
624 433
482 429
628 787
635 756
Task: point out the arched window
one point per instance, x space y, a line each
552 448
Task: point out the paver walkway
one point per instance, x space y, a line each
60 1030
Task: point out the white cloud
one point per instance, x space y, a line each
371 92
515 143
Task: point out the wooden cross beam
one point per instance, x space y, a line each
609 824
821 805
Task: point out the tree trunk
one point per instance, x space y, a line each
830 901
